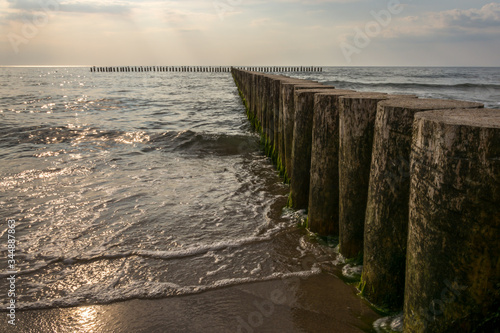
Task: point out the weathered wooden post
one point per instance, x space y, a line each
269 120
453 261
301 147
265 105
261 102
288 111
323 217
357 122
386 223
278 148
252 99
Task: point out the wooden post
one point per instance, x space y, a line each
386 223
357 122
453 264
288 111
323 217
278 148
301 147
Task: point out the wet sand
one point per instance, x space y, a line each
319 303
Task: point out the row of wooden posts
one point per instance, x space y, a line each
204 69
410 185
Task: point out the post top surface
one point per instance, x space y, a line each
297 81
376 96
428 104
401 96
488 118
314 90
338 92
303 83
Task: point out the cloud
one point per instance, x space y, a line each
95 8
455 24
487 16
70 6
314 2
187 20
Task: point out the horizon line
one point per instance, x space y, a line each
337 66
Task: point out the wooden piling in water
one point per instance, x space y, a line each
301 147
453 263
356 126
323 217
386 221
199 69
438 246
273 92
288 118
268 127
326 173
262 94
278 140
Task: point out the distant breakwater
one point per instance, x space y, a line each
410 186
203 69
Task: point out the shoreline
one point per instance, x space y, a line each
319 303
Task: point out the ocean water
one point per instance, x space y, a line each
475 84
152 185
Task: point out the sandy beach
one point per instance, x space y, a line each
321 303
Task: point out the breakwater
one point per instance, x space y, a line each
410 185
202 69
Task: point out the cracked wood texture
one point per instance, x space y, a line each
453 264
386 221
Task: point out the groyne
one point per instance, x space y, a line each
202 69
410 186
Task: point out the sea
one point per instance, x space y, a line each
153 185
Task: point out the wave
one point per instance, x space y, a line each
119 287
111 293
44 262
179 141
486 86
218 144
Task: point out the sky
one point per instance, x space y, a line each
250 32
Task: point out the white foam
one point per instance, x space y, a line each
352 271
389 324
208 249
257 269
221 268
111 292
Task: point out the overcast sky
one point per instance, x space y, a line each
250 32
